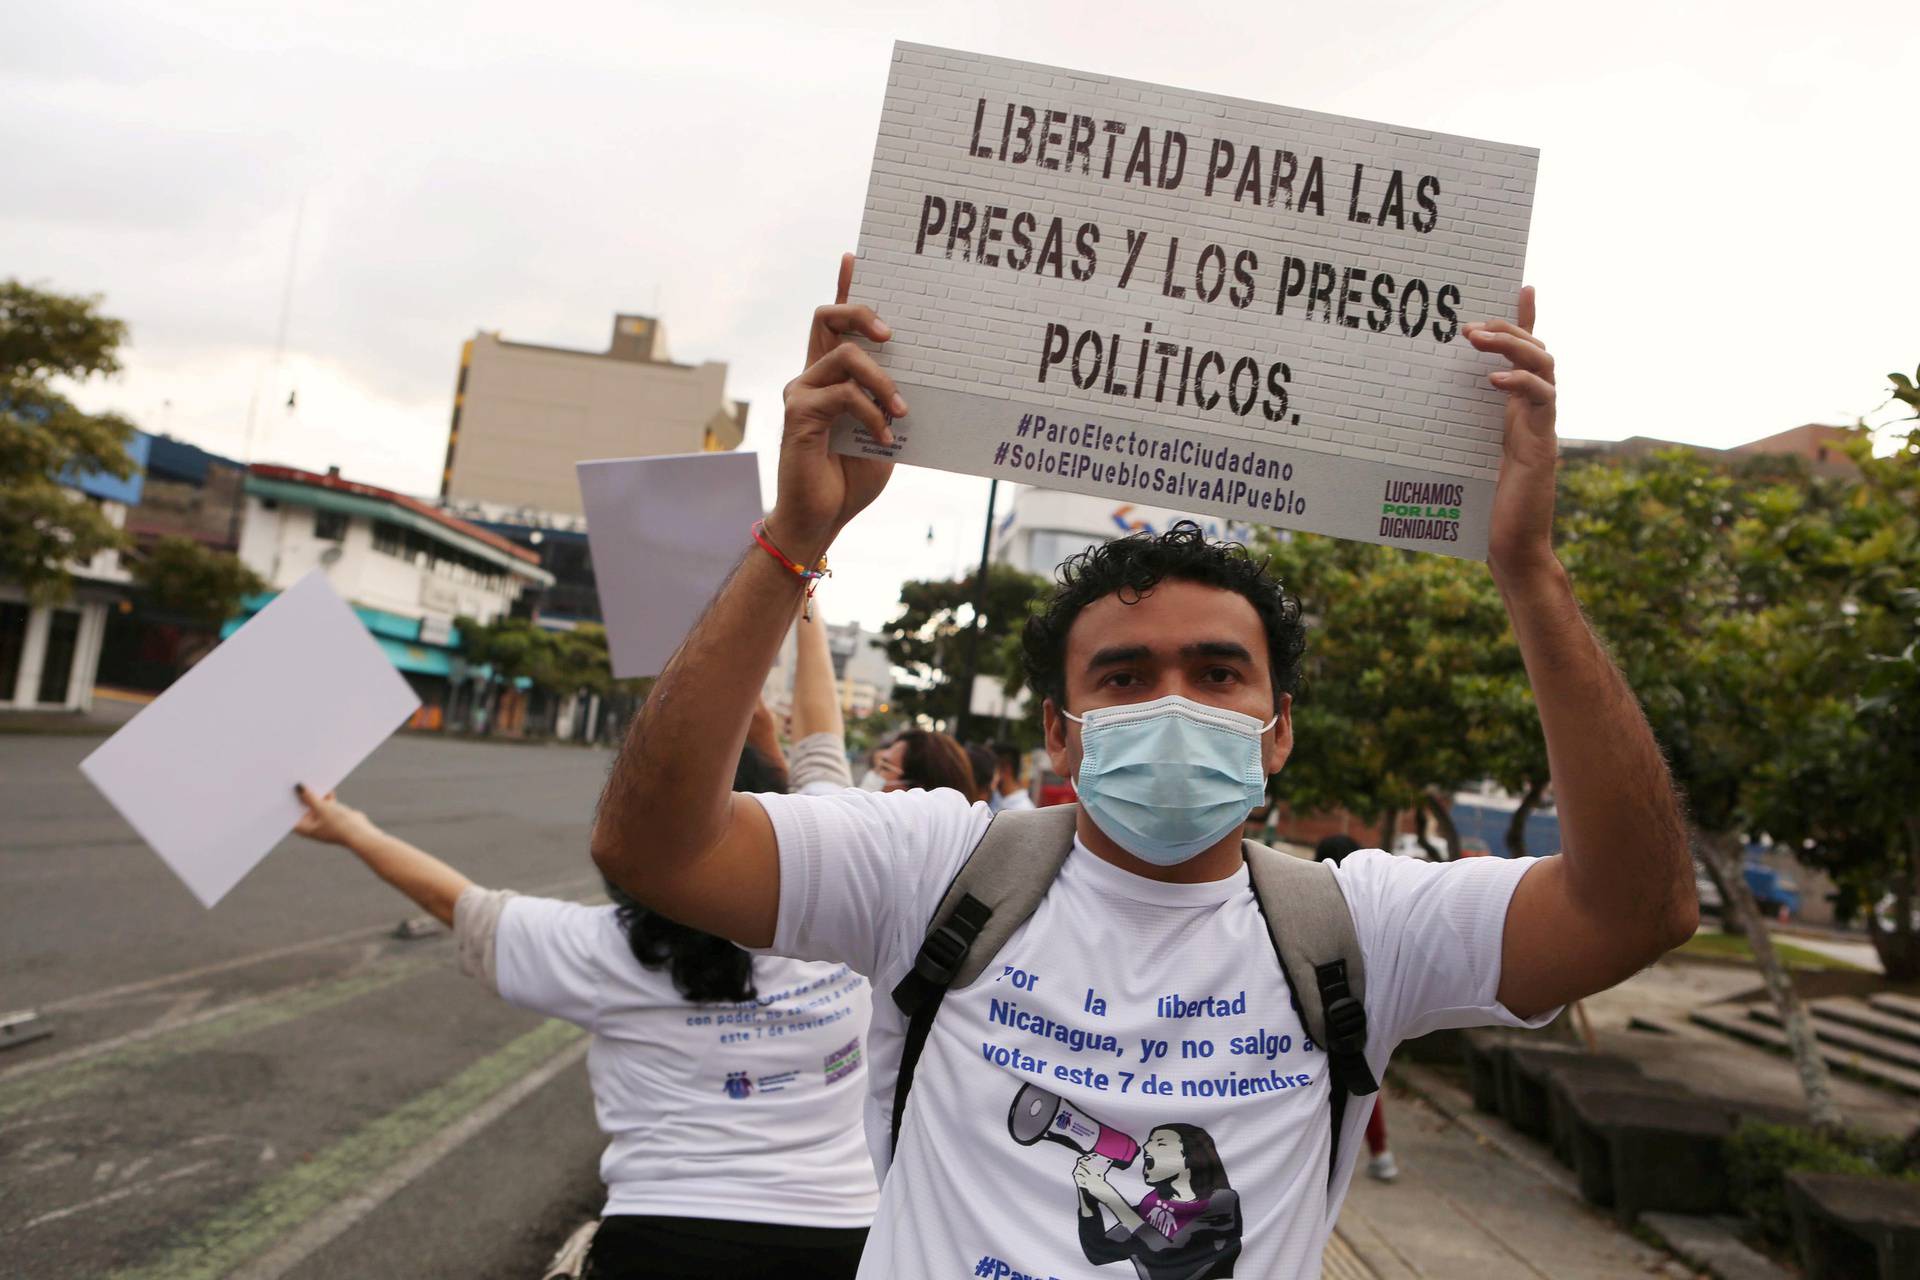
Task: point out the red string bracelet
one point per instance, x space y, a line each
811 576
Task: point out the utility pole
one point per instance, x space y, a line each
963 719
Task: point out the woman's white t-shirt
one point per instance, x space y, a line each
744 1112
1129 1028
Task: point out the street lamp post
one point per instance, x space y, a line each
971 660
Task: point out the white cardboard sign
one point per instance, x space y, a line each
1191 300
664 533
205 773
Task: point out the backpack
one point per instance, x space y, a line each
1015 863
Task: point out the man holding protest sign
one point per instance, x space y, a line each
1139 1009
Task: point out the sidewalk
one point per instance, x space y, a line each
111 709
1462 1209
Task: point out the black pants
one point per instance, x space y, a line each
631 1247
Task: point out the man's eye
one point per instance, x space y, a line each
1222 674
1120 680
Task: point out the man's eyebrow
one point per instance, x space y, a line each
1216 649
1115 655
1119 655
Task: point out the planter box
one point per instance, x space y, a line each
1523 1094
1635 1151
1563 1079
1847 1226
1485 1053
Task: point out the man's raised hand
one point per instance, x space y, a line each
1522 531
820 490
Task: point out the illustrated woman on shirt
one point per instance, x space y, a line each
729 1085
1187 1227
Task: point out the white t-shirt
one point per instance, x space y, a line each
1011 801
1122 1006
745 1112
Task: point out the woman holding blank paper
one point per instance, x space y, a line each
729 1085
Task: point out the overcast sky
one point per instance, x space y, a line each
1722 234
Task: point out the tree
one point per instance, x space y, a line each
181 576
1649 544
1841 699
927 638
45 525
1411 674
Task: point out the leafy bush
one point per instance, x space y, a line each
1759 1157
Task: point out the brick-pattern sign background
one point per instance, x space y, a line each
1190 300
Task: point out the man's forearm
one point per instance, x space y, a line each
1622 834
667 799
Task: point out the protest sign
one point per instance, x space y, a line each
664 533
1191 300
205 773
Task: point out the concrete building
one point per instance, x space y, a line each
523 414
50 654
558 542
407 568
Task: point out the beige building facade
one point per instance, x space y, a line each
523 415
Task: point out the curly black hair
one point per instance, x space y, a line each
1131 567
705 969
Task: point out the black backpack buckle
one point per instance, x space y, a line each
1346 1020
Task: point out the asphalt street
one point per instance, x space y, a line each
281 1087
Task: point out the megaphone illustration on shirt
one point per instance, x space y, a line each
1037 1114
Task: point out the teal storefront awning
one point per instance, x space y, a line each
397 636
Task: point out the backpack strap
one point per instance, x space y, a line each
997 888
1312 931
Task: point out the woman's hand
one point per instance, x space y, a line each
329 821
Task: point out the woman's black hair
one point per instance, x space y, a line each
1131 567
705 969
1205 1170
932 759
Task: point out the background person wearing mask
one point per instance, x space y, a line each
739 1159
926 760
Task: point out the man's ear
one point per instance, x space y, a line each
1058 751
1278 744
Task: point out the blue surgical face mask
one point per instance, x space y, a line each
1168 778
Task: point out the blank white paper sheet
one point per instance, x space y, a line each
664 533
205 774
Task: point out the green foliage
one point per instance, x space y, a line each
1412 685
181 576
45 526
1759 1157
560 662
928 639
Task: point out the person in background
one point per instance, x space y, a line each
984 767
1381 1165
925 760
742 1160
817 760
1009 790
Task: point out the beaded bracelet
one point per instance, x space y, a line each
787 562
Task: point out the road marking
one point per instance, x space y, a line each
145 1188
260 957
92 1065
289 1217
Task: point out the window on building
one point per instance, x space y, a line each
13 641
56 673
329 526
389 539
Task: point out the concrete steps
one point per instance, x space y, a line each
1862 1016
1862 1054
1897 1006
